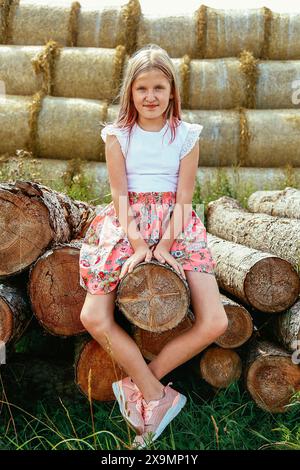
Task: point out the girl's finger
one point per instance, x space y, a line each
124 269
182 271
131 266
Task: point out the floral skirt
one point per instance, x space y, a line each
106 247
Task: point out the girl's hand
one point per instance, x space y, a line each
141 254
163 255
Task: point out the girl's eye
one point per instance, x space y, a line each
142 88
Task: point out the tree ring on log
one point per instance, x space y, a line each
272 380
272 285
153 296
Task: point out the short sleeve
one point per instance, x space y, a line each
111 129
192 136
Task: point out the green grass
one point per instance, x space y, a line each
228 421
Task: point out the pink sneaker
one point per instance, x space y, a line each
158 414
129 399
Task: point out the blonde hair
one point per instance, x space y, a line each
148 58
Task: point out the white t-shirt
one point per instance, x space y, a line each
152 164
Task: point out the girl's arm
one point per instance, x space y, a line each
118 183
184 195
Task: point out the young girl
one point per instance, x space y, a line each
152 160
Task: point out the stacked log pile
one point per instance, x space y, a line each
154 299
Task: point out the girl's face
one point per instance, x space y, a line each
151 88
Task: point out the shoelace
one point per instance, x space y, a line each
137 397
148 407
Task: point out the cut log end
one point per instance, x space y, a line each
55 293
240 327
271 381
96 371
220 367
153 297
24 230
272 285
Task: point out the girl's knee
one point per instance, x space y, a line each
214 323
94 320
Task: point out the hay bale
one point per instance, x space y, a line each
208 32
284 36
71 25
66 127
14 123
70 72
177 34
70 127
213 33
273 137
229 82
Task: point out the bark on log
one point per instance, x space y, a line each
220 367
227 219
259 279
271 376
240 325
54 290
32 218
153 296
15 314
95 370
151 343
285 328
285 203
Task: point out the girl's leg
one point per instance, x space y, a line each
210 323
97 316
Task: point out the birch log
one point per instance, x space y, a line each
285 203
271 376
285 328
54 290
226 218
220 367
95 370
261 280
240 324
33 217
